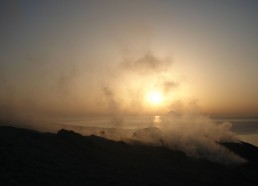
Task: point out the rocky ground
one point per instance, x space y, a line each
29 157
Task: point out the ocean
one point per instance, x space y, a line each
245 129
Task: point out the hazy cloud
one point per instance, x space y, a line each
65 80
148 63
169 86
195 134
113 107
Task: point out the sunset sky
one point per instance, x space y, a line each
94 57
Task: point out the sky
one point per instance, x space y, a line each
74 58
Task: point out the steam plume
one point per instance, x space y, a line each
148 63
113 107
194 134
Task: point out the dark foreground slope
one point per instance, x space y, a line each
32 158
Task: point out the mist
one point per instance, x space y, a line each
105 66
194 134
128 92
181 124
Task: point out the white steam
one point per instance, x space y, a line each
184 128
195 134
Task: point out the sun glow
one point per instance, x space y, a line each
154 97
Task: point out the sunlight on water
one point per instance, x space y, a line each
245 129
157 121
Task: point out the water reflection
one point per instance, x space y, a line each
157 121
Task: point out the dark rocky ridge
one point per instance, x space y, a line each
29 157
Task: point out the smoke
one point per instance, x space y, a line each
131 79
182 128
65 80
113 108
198 136
169 86
148 63
195 134
44 87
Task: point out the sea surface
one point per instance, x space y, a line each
246 129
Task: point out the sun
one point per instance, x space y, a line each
154 97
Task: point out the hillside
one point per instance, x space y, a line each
29 157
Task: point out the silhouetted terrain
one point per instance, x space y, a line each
29 157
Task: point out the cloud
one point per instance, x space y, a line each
169 85
65 80
192 133
113 107
147 63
